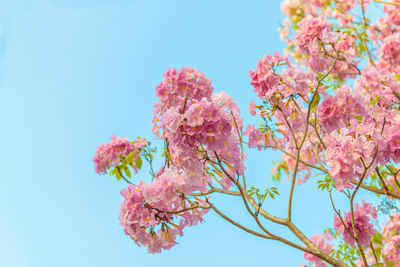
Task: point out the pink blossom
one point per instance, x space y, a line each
229 103
336 111
377 86
362 216
311 30
146 208
391 235
256 138
179 90
390 51
319 241
252 108
187 83
343 154
269 85
290 7
263 79
108 154
393 12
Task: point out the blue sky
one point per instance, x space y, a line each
72 73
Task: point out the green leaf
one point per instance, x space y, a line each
374 101
315 102
138 163
358 118
127 171
129 158
118 175
377 238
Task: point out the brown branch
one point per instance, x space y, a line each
122 176
376 190
241 146
239 225
289 214
214 189
385 188
247 199
387 3
352 205
373 251
365 33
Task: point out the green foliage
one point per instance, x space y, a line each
132 161
281 166
388 206
315 102
346 253
269 192
328 183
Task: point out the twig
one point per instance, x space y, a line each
122 176
387 3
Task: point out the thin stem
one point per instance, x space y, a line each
122 176
385 188
387 3
373 251
290 127
238 224
313 248
365 33
352 206
241 146
214 189
289 214
376 190
340 217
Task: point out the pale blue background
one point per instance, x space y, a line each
72 73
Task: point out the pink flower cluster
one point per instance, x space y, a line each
204 123
312 30
343 156
393 12
336 111
201 123
377 85
179 89
109 154
179 84
148 212
391 235
321 46
390 52
320 242
263 79
268 84
256 138
362 216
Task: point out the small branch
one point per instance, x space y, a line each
373 251
214 189
184 105
122 176
290 127
340 217
352 205
385 188
241 146
365 33
376 190
387 3
239 225
289 214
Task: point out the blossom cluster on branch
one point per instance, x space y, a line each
330 104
